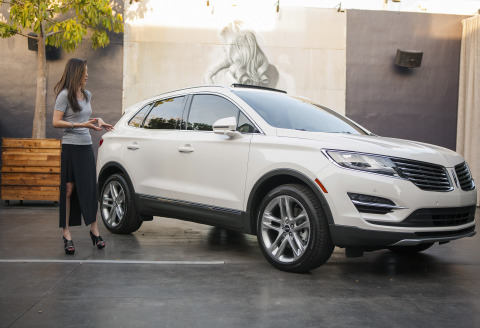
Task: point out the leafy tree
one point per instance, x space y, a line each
162 123
60 23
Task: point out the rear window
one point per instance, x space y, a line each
138 119
165 114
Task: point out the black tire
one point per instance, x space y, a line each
300 241
117 206
410 249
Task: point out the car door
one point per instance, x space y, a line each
150 148
210 169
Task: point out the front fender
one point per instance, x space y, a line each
273 179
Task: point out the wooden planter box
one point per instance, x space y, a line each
30 169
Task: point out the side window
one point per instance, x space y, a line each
206 109
165 114
137 120
244 125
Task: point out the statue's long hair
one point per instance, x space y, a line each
248 63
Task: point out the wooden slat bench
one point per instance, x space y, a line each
30 169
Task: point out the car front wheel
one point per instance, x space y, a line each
117 208
292 229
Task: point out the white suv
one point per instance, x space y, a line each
298 175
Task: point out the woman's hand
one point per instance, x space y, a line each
91 125
106 126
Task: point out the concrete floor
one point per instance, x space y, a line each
172 273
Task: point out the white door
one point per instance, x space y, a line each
211 169
150 149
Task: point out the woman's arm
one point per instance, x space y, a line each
58 122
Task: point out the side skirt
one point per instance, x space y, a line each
200 213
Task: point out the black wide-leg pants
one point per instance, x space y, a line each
78 166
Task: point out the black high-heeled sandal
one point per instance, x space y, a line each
97 240
68 246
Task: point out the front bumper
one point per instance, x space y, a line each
412 210
348 236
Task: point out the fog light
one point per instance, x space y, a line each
372 204
370 199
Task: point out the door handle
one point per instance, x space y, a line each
133 146
186 149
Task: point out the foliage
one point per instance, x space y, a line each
162 123
63 22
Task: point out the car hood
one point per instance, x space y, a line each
379 145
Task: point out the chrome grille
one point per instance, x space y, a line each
464 176
426 176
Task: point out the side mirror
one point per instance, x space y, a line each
226 126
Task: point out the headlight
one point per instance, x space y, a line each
362 162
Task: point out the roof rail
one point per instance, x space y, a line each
239 85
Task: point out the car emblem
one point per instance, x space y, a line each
455 178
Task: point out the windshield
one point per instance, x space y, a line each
286 112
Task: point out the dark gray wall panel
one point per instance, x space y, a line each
418 104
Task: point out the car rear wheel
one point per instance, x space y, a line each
410 249
292 229
117 208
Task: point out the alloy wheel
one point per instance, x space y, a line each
113 204
285 229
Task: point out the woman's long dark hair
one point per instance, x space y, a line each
72 81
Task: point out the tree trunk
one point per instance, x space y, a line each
39 119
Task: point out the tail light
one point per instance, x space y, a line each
101 142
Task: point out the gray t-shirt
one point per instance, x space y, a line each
75 136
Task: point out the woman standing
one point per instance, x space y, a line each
73 112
